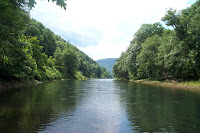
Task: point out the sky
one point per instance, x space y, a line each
102 28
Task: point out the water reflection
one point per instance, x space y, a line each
154 109
32 109
99 106
98 110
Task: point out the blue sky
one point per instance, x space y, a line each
102 28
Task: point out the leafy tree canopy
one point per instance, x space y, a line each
160 53
32 3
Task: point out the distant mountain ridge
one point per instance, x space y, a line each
108 63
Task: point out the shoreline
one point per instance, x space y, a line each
4 85
170 84
16 84
9 85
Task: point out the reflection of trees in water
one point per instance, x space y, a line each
31 109
150 109
154 109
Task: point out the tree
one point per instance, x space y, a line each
17 62
12 21
158 53
187 30
46 37
178 20
127 66
145 31
70 62
32 3
38 55
120 69
147 58
105 73
29 50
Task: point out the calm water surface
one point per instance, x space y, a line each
99 106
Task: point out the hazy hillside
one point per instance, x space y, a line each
107 63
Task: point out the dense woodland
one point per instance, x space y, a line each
159 53
29 51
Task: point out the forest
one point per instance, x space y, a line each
29 50
160 53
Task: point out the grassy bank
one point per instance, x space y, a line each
171 83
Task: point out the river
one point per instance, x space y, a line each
99 106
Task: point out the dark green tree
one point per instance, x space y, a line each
147 59
31 3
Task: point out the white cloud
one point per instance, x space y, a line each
105 49
105 27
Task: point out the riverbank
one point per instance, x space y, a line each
16 84
171 83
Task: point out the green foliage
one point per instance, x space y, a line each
46 37
88 66
70 62
32 3
15 52
66 58
52 73
12 21
147 63
107 63
16 60
158 53
28 50
105 73
145 31
80 76
120 70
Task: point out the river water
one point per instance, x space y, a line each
99 106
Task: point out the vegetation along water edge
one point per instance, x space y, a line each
171 83
168 54
31 52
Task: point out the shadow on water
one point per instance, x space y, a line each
155 109
99 106
32 109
